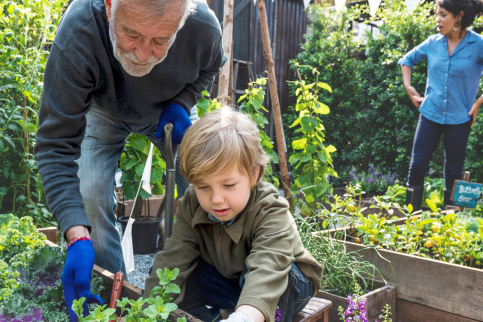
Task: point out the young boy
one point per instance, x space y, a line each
234 240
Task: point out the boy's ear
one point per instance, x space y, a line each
255 176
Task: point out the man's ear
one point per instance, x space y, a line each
108 9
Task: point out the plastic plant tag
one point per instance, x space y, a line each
373 6
339 4
146 178
127 249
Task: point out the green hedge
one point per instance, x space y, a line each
372 121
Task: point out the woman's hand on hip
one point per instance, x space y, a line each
473 113
414 96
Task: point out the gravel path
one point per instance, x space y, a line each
142 264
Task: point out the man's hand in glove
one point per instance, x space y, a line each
176 115
77 273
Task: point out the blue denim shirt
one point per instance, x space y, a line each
453 81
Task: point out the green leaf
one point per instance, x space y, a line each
138 142
10 141
306 157
299 144
332 172
131 163
321 188
129 191
301 106
26 126
259 119
449 216
157 175
203 104
324 86
296 122
322 157
322 109
293 159
157 189
331 149
432 205
309 123
172 288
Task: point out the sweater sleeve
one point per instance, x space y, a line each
63 107
192 92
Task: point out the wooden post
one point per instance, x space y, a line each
466 177
277 117
225 79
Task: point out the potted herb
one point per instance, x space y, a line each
146 225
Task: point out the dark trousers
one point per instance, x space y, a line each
426 139
206 286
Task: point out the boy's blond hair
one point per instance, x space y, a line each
219 141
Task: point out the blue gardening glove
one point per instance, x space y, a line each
179 117
77 274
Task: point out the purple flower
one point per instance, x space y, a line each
278 315
356 310
372 169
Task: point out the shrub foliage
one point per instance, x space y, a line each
372 121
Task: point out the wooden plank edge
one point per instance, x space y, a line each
50 233
414 312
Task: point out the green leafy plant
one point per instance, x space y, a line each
312 161
342 270
373 181
433 190
372 120
206 104
453 238
30 273
132 162
27 29
251 104
157 307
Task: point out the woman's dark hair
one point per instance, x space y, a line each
471 8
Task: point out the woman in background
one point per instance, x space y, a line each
448 108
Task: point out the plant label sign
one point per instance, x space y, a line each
466 194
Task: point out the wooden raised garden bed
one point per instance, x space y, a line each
132 292
375 301
128 290
316 310
428 289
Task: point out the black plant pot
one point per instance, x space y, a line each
144 235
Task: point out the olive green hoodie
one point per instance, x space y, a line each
264 238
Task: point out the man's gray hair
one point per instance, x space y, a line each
157 8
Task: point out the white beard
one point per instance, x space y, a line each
129 62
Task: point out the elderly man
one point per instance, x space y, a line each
117 68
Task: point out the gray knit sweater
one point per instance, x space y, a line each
82 72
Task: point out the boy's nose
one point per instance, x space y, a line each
217 198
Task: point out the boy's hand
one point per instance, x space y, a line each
238 317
